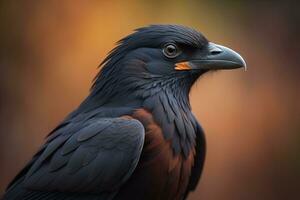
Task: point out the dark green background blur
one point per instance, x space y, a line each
50 50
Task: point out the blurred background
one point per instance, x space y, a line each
50 50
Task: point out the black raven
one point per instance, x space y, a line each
134 136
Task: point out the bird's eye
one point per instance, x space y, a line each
170 50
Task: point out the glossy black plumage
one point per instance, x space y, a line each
93 156
134 137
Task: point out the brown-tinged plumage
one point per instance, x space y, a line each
157 166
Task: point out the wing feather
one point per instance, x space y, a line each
96 158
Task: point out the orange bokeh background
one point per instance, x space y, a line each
49 55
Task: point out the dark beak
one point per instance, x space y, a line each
216 57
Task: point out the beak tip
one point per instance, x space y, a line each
245 66
243 63
234 57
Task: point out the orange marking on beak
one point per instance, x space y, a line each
182 66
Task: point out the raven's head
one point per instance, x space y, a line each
160 57
154 69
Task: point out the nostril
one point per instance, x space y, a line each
215 51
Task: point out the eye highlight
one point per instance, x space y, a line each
171 50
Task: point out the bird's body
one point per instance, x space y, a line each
134 137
